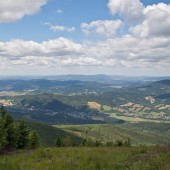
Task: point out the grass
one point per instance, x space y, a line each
107 108
87 158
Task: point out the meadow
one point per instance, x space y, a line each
89 158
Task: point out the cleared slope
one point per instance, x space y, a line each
108 132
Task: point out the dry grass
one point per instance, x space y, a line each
94 105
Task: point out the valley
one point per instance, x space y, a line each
79 120
74 106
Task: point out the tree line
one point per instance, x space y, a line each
88 142
16 134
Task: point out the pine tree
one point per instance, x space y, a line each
15 135
11 133
8 131
3 112
34 140
3 140
23 135
58 142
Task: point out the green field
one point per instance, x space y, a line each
107 108
134 119
90 158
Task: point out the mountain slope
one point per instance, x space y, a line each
48 134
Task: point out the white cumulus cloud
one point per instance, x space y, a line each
144 45
106 28
58 28
127 51
13 10
17 49
156 22
130 10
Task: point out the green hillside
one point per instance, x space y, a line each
48 134
151 127
106 132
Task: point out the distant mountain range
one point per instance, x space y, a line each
101 78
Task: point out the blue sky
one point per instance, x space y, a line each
83 36
74 12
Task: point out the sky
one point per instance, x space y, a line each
114 37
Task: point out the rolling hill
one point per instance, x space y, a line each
66 101
151 134
48 134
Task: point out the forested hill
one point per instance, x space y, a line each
81 102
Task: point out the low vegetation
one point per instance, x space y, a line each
91 158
